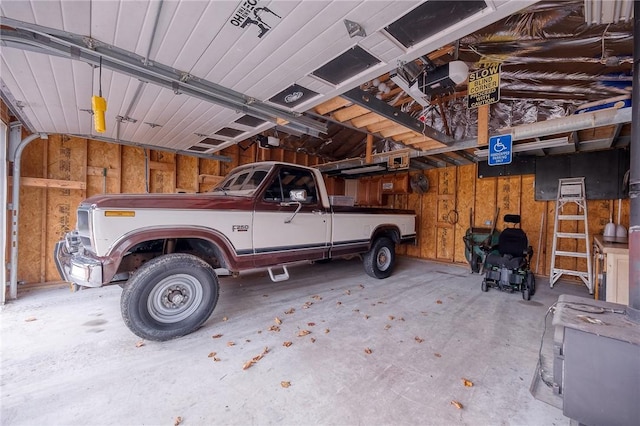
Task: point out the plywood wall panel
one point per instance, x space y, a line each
414 202
465 199
532 214
507 197
428 217
103 175
30 259
133 172
485 202
187 173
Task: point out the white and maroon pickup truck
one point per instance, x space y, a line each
169 249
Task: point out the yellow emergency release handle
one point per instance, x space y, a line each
99 105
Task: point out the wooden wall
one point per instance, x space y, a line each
61 171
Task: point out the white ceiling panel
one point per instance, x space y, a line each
282 44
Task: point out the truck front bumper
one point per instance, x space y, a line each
78 269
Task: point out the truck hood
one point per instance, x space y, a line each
207 201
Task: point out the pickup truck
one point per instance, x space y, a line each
168 250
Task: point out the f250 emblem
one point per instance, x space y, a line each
240 228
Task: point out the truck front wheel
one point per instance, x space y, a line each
169 296
379 261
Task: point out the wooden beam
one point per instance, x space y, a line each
483 125
350 112
375 128
367 119
403 136
331 105
163 167
369 151
210 179
99 171
419 139
395 130
50 183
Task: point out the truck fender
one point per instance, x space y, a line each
229 256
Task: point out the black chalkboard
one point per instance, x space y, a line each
521 165
603 172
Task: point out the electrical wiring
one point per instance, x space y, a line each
540 368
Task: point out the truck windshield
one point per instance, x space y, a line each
243 181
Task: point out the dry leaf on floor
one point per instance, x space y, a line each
456 404
467 383
285 384
139 343
231 344
419 340
368 351
313 340
212 355
30 319
361 286
307 305
248 364
265 295
278 320
367 317
287 344
303 333
274 328
356 310
311 324
216 336
289 311
400 318
177 421
391 317
315 296
439 302
338 303
216 359
348 292
437 355
388 326
326 330
225 318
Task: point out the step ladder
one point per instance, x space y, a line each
571 190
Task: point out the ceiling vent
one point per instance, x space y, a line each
229 132
430 18
250 121
351 63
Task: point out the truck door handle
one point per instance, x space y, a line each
318 212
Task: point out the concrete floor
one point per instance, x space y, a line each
67 358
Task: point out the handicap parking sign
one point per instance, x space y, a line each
500 152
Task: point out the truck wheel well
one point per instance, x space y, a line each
392 233
143 252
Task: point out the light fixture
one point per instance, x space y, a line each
99 106
529 146
366 169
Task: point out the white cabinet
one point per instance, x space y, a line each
611 270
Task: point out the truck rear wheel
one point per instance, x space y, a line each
169 296
379 261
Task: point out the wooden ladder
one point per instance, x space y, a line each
571 190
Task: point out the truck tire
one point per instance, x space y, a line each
169 296
379 261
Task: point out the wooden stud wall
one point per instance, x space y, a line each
60 172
